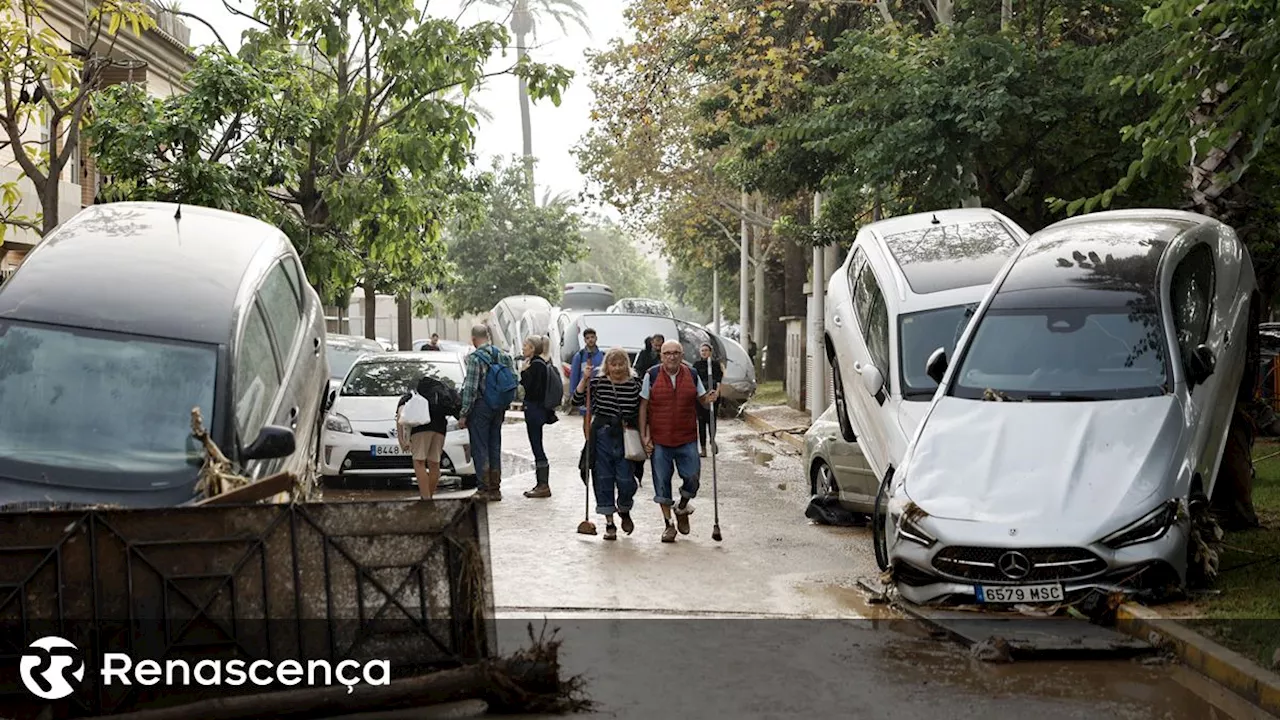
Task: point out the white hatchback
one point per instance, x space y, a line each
359 441
908 286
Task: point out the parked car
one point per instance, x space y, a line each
504 319
125 318
630 332
1076 437
360 442
739 381
342 351
908 285
837 467
642 306
586 297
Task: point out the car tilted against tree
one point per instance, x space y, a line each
1074 442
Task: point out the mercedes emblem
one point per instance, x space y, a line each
1014 565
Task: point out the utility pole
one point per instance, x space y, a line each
744 280
817 328
757 329
715 299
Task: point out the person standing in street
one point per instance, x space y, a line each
491 376
614 390
669 402
589 356
534 380
651 354
711 380
426 442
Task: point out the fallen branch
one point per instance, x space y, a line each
218 475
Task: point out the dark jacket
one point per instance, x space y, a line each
645 359
534 381
439 421
700 367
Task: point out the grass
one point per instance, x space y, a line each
769 393
1245 616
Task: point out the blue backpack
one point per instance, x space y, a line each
500 383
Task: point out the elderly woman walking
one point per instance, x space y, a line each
614 392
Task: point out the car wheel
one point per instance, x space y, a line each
822 481
842 410
311 483
879 523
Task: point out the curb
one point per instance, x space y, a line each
1224 666
764 426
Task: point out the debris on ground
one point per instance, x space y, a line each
826 510
218 475
994 649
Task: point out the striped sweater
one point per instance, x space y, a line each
607 398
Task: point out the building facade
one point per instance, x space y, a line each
157 59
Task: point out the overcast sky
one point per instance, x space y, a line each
555 129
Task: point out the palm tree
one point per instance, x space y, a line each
524 16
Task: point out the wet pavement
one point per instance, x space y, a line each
769 622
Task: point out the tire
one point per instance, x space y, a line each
842 411
822 481
879 517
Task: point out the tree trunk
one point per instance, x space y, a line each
370 311
49 195
521 24
404 321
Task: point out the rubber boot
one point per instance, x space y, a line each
495 485
543 488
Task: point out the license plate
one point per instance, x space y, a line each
376 450
1049 592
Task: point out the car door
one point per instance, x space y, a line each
1193 302
871 349
854 475
281 300
257 385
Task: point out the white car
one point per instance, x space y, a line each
907 287
359 440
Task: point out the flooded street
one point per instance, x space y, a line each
769 622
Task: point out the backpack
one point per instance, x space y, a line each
500 383
555 388
447 399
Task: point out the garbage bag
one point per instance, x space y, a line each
826 510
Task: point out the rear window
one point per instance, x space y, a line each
948 257
393 379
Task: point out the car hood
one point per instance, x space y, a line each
910 414
367 409
1045 466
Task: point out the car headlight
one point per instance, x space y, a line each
337 423
1149 527
909 529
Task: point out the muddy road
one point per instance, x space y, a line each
769 622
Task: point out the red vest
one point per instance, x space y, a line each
673 418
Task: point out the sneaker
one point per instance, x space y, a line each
682 518
610 532
627 524
669 535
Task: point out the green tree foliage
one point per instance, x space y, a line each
518 248
344 112
612 258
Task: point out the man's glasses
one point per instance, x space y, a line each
671 353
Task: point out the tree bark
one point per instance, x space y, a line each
370 311
404 321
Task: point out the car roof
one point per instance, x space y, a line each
132 267
1103 251
929 260
353 340
436 356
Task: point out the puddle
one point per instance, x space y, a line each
762 458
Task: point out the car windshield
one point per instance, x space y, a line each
393 379
102 402
1091 353
342 357
919 334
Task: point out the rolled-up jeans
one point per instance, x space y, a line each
614 479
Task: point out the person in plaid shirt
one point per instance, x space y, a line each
483 423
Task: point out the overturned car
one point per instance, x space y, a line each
1075 438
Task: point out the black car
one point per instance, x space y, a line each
126 318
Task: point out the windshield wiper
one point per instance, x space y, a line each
1048 397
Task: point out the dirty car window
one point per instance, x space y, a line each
1096 353
392 379
103 402
919 334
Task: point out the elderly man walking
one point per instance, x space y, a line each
669 402
487 392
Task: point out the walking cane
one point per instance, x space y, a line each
715 495
586 527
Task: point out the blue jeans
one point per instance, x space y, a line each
535 417
484 426
668 460
614 478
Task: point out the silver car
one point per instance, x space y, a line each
1075 439
837 467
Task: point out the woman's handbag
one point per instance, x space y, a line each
633 447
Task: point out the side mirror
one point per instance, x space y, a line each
273 442
1201 364
330 399
937 365
872 380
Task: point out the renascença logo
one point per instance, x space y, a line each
50 661
50 665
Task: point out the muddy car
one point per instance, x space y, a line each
124 319
1076 436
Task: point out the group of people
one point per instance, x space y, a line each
663 403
